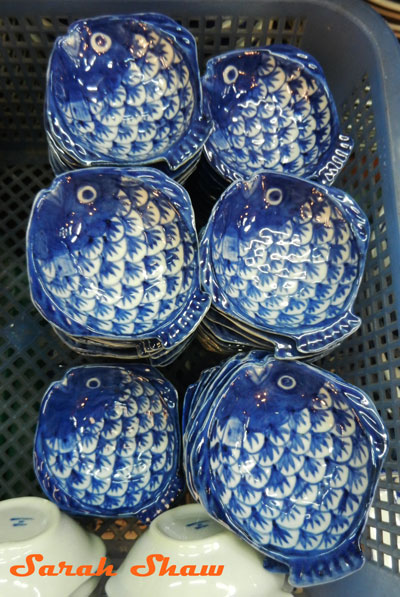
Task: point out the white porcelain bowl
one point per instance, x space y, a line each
30 526
187 538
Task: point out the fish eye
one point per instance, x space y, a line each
100 42
230 74
93 383
86 194
287 382
274 196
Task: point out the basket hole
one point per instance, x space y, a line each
387 560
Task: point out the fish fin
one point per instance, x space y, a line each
171 494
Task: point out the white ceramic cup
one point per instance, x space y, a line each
31 525
192 540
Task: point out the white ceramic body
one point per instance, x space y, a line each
189 537
31 525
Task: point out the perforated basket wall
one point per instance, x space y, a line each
350 42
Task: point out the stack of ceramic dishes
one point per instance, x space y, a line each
113 263
282 259
108 442
125 90
271 109
288 457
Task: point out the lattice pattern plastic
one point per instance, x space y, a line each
371 358
31 356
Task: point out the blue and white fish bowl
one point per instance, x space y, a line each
124 90
288 457
113 257
271 109
108 442
285 256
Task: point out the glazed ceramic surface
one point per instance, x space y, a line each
151 349
288 457
108 442
125 90
112 253
61 164
32 525
259 339
192 540
286 256
271 109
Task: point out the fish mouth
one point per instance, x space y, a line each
71 44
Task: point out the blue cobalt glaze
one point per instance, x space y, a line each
288 457
112 253
60 164
108 442
125 90
271 109
286 256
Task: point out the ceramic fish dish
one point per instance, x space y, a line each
112 254
125 90
286 256
271 109
288 457
108 442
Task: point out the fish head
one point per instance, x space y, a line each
92 391
90 42
230 80
286 385
91 55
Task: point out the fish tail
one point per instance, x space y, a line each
171 496
184 325
339 330
190 143
335 160
326 568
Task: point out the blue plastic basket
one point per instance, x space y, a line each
361 59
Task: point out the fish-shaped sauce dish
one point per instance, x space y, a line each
125 90
112 254
271 109
287 456
108 442
286 256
